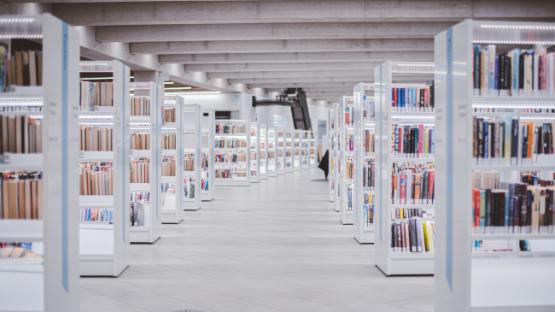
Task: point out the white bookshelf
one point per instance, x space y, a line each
288 150
346 158
145 210
389 75
365 129
332 155
280 151
305 149
272 153
50 281
254 152
207 160
104 245
171 188
263 148
465 277
297 148
232 152
312 149
191 179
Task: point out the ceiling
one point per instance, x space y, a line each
323 46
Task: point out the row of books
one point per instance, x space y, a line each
514 207
516 72
413 139
349 198
18 251
139 170
230 173
139 196
412 183
228 128
189 162
368 174
168 115
368 108
97 215
136 214
350 142
230 157
414 235
140 106
407 213
204 184
21 195
349 115
512 138
189 188
169 141
96 178
96 94
94 138
367 141
204 161
413 98
349 168
368 207
230 143
20 68
20 134
140 141
168 167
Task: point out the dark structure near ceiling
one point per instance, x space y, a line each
296 99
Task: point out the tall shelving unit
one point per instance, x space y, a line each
144 125
254 152
45 278
305 149
272 153
191 176
263 148
207 159
281 141
480 252
332 154
288 150
338 168
232 152
346 160
404 242
297 148
104 240
171 170
312 150
365 129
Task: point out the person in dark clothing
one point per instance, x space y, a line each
324 163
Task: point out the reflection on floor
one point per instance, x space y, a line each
274 246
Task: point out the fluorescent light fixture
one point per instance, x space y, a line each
144 123
97 78
515 42
194 93
96 117
20 101
177 88
169 82
413 116
19 20
518 27
516 106
20 36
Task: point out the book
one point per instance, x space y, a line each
412 235
412 98
140 106
95 95
21 195
412 183
139 170
20 134
140 140
96 178
95 138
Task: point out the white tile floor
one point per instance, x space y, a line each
273 246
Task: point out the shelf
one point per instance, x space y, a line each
22 92
106 112
512 254
21 230
101 226
169 153
140 153
142 119
96 201
14 162
96 156
422 206
532 101
168 179
139 187
514 236
412 255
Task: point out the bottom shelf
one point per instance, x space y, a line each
22 282
520 284
232 182
365 235
403 264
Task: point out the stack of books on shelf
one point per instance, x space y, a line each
95 138
20 134
20 194
140 170
140 106
96 178
140 141
96 95
22 68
